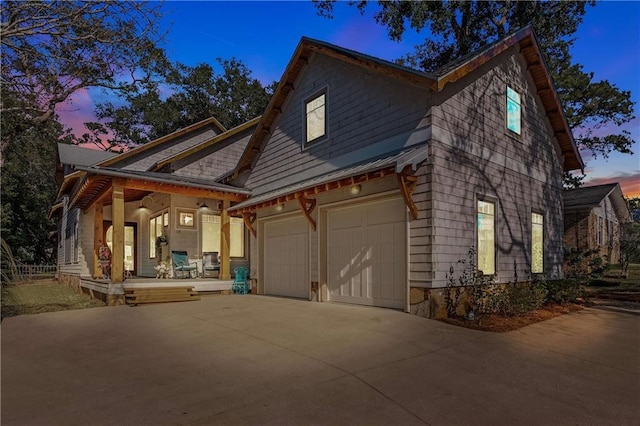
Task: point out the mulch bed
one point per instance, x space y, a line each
498 323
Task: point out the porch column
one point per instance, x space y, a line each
117 217
225 228
98 235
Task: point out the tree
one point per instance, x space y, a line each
457 28
50 50
196 93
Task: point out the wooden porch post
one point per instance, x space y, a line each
117 217
98 235
225 228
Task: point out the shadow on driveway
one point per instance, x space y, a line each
263 360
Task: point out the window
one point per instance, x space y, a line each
211 235
486 237
513 111
186 219
599 236
316 124
537 247
156 225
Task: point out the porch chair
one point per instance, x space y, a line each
241 281
181 264
210 263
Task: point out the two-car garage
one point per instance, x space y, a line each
366 254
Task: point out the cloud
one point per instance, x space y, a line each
629 182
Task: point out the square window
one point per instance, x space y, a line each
316 123
514 111
186 219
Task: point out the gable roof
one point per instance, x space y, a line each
194 150
142 148
76 155
587 197
529 48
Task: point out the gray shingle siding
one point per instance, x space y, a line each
474 156
362 108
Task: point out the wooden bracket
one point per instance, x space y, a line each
408 183
308 205
249 219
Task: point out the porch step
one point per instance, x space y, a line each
136 296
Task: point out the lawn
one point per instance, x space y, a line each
615 286
48 296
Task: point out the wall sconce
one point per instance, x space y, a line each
279 207
355 189
141 204
202 206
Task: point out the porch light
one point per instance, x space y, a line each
279 207
204 206
355 189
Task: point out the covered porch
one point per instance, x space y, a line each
143 217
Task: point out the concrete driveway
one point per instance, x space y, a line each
259 360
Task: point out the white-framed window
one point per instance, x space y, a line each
186 218
514 111
211 236
316 118
486 235
157 225
537 243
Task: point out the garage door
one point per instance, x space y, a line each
286 257
366 254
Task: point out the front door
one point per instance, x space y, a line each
130 240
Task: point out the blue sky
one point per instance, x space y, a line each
264 34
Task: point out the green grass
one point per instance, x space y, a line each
613 281
42 297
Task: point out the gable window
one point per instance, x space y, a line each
537 243
514 111
486 237
210 233
316 123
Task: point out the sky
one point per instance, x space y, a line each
264 34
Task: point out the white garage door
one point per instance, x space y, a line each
366 254
286 257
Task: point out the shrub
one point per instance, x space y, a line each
563 291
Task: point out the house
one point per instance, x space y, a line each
167 188
593 218
370 180
363 182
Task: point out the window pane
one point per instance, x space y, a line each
237 237
486 238
316 118
152 238
165 219
513 110
537 244
210 233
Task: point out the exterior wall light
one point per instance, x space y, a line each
355 189
279 207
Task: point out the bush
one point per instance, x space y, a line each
563 291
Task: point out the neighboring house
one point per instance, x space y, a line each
370 180
168 187
593 217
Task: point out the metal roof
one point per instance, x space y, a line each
165 178
407 157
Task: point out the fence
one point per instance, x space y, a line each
25 273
